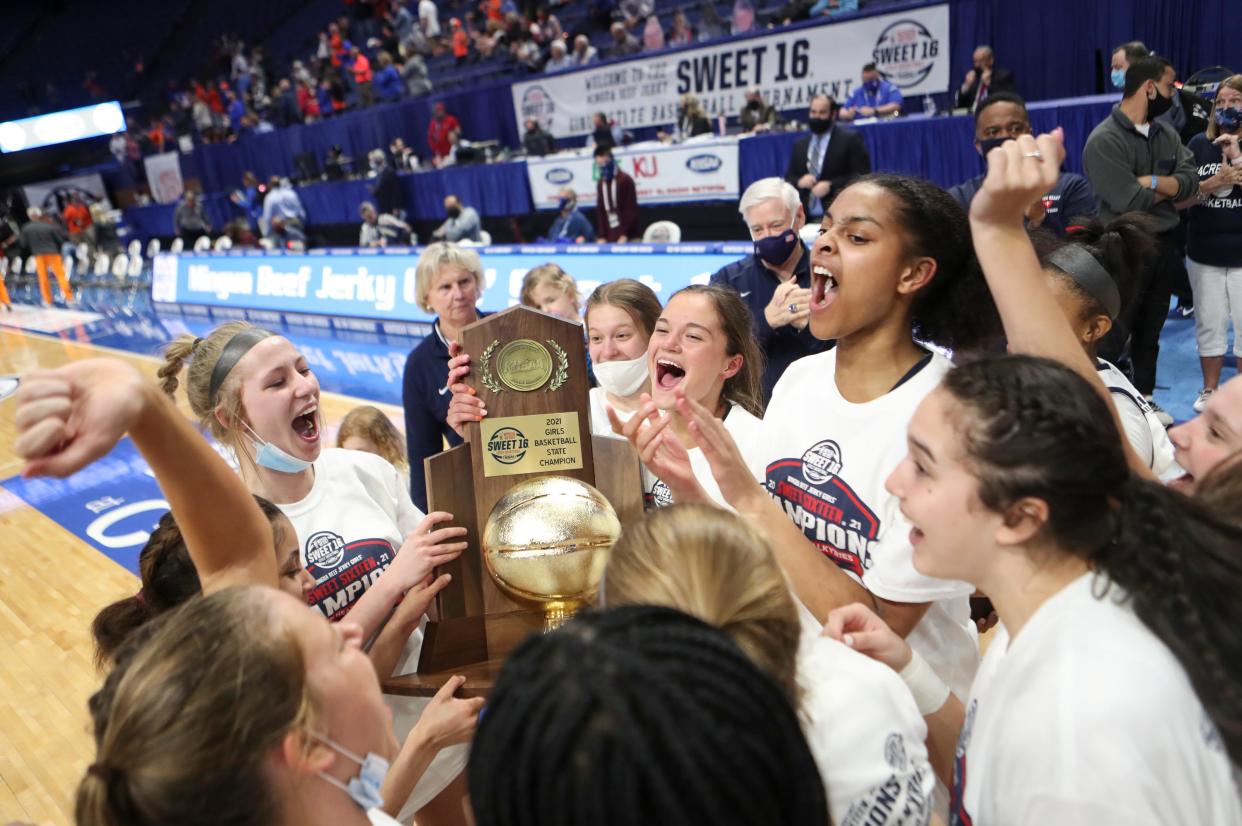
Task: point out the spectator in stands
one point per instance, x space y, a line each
536 140
1136 163
283 203
403 157
653 35
743 17
285 108
336 164
360 71
832 8
775 282
983 79
439 133
460 224
711 27
679 33
386 189
826 161
414 73
874 98
78 222
558 58
236 110
248 199
602 133
189 223
758 115
381 230
630 12
461 41
308 102
1122 57
106 238
549 26
43 239
584 53
691 118
570 226
387 81
624 44
1002 117
616 200
429 19
240 235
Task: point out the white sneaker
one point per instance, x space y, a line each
1162 415
1202 400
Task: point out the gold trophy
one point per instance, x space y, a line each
541 498
546 543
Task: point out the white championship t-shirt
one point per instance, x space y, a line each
350 527
826 460
1087 719
865 733
1142 429
745 429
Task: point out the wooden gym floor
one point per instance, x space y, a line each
51 586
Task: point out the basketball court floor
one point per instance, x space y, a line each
69 547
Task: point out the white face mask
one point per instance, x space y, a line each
622 377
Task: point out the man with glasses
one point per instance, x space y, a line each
1003 117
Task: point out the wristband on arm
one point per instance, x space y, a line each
1153 181
930 692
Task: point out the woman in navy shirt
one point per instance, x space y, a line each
1214 236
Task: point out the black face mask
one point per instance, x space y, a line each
453 212
988 144
819 125
754 104
1158 105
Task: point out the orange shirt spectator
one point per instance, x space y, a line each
77 217
338 47
361 69
461 43
493 11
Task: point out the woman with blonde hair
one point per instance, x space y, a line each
552 290
367 428
857 717
691 117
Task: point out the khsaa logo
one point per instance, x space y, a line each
704 164
905 53
325 550
821 462
559 175
538 104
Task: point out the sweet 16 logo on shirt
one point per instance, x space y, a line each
343 570
832 516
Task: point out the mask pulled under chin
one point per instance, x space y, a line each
269 456
622 377
363 788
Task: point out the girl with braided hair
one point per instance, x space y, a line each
862 726
227 709
640 716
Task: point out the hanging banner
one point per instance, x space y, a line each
50 196
164 177
909 48
697 170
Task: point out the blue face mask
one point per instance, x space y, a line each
776 249
271 457
608 170
1228 119
1119 78
364 789
872 86
563 204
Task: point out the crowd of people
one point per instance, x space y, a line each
842 441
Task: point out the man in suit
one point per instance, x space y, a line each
983 79
826 161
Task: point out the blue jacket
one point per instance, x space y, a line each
569 227
1070 198
426 401
756 284
387 84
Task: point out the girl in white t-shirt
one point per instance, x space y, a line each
859 720
891 267
1090 271
702 348
260 705
362 539
1110 694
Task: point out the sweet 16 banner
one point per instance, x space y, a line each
910 49
697 170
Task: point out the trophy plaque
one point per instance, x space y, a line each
532 486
